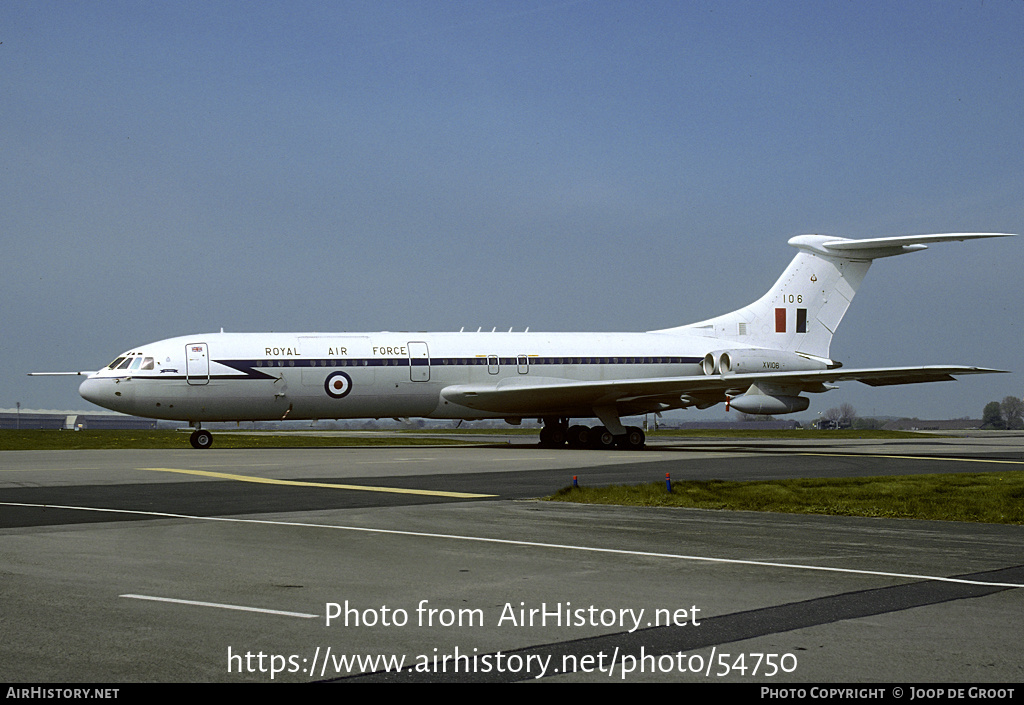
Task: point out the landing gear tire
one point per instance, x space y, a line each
601 438
201 439
552 436
579 436
632 439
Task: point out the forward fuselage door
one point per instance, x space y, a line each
197 363
419 362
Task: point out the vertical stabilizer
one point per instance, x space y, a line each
802 311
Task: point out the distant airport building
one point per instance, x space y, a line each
70 421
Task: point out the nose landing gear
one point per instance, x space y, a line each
201 439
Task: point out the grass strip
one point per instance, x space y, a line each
122 439
990 497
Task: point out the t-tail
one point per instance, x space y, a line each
802 311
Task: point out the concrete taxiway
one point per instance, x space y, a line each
223 565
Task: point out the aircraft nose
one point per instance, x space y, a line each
89 390
97 391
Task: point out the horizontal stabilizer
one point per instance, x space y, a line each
905 240
878 247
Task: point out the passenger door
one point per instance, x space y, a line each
419 362
197 363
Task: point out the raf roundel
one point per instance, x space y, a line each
338 385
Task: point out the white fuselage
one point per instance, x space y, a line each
760 358
268 376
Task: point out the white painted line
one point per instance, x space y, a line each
918 457
302 615
531 544
519 459
395 460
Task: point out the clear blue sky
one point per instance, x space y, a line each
177 167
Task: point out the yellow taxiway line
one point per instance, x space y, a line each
297 483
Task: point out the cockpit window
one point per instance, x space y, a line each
124 365
136 363
115 363
147 363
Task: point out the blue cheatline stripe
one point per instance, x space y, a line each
260 369
277 363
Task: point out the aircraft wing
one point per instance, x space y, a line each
83 373
554 395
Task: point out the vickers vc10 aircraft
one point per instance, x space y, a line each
759 359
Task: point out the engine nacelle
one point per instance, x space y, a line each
764 404
747 361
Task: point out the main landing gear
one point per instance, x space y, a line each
557 433
201 439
